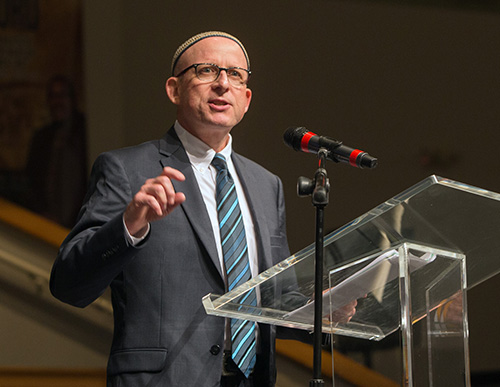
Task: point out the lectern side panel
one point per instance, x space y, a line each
434 333
446 329
466 219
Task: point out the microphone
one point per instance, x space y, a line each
302 140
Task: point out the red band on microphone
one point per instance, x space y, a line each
354 155
304 142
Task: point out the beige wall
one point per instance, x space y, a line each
417 87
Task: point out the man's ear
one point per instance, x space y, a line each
172 88
248 95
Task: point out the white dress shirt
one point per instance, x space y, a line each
201 155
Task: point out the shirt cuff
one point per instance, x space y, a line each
132 240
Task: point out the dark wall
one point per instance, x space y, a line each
416 86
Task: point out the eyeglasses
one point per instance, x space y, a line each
209 72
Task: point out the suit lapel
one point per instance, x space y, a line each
252 192
173 155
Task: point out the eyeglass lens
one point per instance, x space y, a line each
210 72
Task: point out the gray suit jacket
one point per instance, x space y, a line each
163 337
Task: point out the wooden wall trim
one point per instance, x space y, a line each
345 368
51 377
31 223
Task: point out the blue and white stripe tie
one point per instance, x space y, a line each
235 252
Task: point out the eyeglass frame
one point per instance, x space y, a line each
195 66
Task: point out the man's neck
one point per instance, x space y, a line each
216 137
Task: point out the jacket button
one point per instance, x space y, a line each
215 349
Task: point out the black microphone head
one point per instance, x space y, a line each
293 136
367 161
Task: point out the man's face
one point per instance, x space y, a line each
215 107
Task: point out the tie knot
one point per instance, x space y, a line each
219 162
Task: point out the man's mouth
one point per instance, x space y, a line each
219 103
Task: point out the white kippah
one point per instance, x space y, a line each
195 39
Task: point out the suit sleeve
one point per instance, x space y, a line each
96 250
283 241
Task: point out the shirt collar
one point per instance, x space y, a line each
200 154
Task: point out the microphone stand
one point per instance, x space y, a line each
318 189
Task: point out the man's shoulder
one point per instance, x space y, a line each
138 148
166 144
134 152
128 158
253 168
248 163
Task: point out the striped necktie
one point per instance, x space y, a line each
235 252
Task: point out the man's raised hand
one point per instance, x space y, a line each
156 199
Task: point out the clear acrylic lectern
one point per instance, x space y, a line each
408 263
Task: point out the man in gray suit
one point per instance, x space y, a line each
149 229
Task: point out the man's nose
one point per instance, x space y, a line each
222 79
